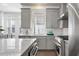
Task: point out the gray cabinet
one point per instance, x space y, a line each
25 17
42 43
51 18
50 43
46 43
1 48
66 48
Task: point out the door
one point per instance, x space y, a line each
66 47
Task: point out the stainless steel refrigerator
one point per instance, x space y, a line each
73 18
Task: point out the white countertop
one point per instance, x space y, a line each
35 35
13 47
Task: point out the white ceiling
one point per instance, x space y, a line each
53 5
16 7
48 4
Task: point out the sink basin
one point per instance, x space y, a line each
64 37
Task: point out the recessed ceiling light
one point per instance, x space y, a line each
38 6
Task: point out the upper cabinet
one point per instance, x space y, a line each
51 17
25 17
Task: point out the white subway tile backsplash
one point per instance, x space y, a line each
57 32
65 31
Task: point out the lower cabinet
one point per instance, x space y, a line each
66 47
1 45
50 44
42 43
46 43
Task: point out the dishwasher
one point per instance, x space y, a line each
33 50
62 45
57 41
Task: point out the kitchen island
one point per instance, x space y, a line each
16 47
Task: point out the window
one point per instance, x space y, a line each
10 19
39 21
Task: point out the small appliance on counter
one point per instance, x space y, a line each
1 29
50 33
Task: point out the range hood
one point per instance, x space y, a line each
64 16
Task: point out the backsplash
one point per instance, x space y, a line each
59 31
56 32
65 31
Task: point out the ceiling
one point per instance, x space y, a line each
53 5
16 7
47 4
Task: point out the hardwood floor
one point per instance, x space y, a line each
47 53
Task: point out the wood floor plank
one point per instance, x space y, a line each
47 53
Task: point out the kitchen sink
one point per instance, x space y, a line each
63 37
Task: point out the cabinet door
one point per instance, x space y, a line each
42 43
66 48
50 43
51 18
25 17
1 45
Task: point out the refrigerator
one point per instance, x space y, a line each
73 29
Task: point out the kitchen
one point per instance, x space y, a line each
33 29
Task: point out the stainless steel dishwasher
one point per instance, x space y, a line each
33 50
